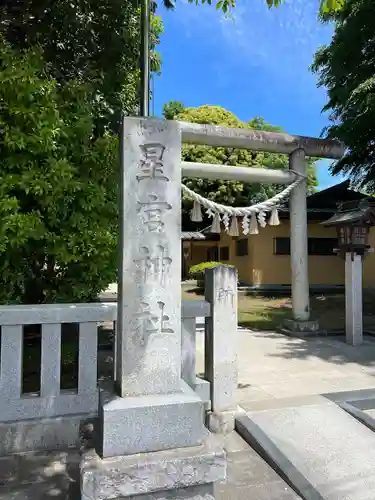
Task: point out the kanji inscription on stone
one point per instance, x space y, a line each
152 212
151 164
152 322
224 294
153 267
148 343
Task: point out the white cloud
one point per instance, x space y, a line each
281 41
284 39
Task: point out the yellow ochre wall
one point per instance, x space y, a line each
198 251
270 269
369 263
243 264
262 267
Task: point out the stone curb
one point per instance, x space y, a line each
259 441
362 417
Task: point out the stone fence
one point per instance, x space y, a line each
52 417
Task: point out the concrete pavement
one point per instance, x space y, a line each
273 366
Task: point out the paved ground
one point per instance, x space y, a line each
324 449
56 476
250 477
272 366
37 476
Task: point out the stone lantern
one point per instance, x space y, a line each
353 221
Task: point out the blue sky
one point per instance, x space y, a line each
256 64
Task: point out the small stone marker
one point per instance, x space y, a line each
222 346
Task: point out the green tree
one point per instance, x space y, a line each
346 69
91 41
325 6
75 70
230 192
172 109
58 208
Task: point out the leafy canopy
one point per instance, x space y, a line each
346 68
72 70
172 109
232 193
88 41
325 6
58 199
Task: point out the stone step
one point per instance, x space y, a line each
55 475
321 450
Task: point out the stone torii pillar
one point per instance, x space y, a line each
298 240
300 325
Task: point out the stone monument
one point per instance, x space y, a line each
151 437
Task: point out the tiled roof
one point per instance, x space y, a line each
192 235
351 212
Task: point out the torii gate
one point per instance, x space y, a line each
298 148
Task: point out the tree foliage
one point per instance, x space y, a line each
58 209
346 68
325 6
172 109
74 69
92 41
229 192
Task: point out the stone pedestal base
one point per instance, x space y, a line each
221 423
186 473
145 424
295 328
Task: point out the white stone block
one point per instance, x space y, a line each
148 346
149 423
151 473
221 346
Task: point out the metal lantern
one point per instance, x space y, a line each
353 221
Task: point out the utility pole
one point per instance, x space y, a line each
145 59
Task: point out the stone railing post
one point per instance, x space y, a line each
151 409
221 346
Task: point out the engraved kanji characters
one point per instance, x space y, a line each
153 262
152 211
225 294
151 164
151 323
153 267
